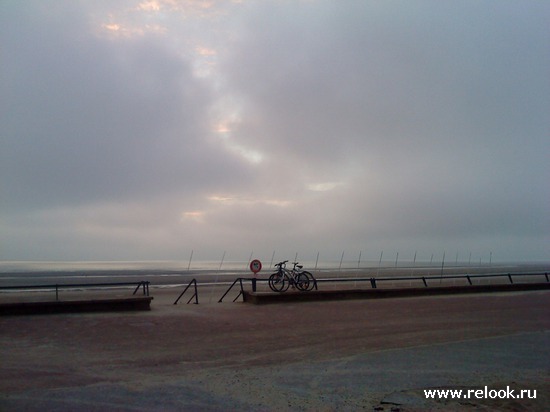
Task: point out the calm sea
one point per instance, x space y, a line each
175 273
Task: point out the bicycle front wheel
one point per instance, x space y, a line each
278 282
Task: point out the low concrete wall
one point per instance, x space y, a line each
75 306
264 298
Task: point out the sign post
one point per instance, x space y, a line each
255 267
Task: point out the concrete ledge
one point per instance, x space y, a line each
76 306
264 298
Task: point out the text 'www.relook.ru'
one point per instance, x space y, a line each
484 393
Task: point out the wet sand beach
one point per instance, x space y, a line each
318 356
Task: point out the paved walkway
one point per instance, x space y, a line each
344 355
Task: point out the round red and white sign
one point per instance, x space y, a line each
255 266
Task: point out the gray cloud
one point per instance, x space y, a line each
93 119
141 134
433 103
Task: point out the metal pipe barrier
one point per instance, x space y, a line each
240 280
195 294
142 284
374 280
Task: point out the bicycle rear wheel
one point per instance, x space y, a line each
312 282
302 282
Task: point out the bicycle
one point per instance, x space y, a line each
297 270
283 278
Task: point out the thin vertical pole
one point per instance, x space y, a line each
216 279
249 259
272 257
396 258
317 260
341 259
296 257
190 257
380 262
358 267
442 265
221 263
413 267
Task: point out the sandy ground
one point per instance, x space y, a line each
318 356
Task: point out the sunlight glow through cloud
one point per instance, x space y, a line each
322 187
196 216
204 51
224 132
353 125
235 200
249 155
151 5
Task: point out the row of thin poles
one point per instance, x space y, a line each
358 261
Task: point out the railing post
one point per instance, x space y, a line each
195 295
469 280
230 287
546 274
242 290
56 292
373 283
510 277
424 280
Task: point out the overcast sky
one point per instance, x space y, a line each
142 130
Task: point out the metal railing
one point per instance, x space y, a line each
195 294
240 280
142 284
375 280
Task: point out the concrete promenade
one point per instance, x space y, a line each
321 356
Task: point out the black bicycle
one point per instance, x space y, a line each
283 278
